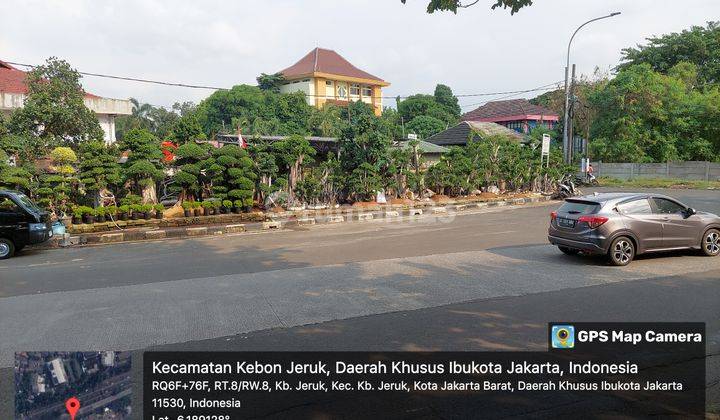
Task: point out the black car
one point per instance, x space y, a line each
22 223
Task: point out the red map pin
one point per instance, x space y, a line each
72 405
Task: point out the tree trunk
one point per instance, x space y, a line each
149 195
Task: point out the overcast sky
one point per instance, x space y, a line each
223 43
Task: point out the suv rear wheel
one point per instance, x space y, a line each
711 243
7 248
622 251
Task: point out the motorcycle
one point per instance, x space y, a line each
566 187
587 179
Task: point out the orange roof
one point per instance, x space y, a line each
12 80
325 61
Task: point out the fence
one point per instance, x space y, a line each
694 170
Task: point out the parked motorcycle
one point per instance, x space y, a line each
566 187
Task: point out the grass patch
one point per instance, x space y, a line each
658 183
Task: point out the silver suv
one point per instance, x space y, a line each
622 225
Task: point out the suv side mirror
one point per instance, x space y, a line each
690 211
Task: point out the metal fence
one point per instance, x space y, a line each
691 170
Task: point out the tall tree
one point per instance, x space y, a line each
271 82
54 112
699 45
445 97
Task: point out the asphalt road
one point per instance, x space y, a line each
484 281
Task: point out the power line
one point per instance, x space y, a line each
510 96
208 87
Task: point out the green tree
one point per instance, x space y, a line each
425 105
699 45
425 126
232 173
454 5
14 177
54 112
445 97
143 167
187 128
271 82
189 180
292 153
327 122
57 186
646 116
99 168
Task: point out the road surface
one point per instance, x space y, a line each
483 281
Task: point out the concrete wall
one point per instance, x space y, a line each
700 171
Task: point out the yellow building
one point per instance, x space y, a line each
326 77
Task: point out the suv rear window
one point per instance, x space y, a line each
579 207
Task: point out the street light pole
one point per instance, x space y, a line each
567 143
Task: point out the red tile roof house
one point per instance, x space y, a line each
518 114
13 91
326 77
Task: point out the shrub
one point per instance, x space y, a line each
159 208
187 205
124 209
227 204
111 210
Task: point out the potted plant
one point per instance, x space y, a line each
77 215
147 210
227 206
88 215
159 209
216 205
123 212
100 215
237 206
111 213
187 208
136 211
197 208
207 208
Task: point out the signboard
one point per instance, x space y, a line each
546 145
412 136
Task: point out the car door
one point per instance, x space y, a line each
11 219
638 217
679 230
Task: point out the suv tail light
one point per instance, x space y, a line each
553 215
593 221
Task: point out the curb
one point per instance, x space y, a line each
286 220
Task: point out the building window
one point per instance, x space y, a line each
328 83
518 126
355 90
367 91
342 92
306 80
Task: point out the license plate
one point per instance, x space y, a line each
566 222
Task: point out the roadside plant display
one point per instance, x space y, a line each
232 175
187 207
57 186
159 209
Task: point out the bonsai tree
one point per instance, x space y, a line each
57 186
99 168
232 175
143 167
188 179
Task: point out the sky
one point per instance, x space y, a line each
224 43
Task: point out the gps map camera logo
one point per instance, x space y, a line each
562 336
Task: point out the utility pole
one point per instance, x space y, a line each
566 140
571 116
